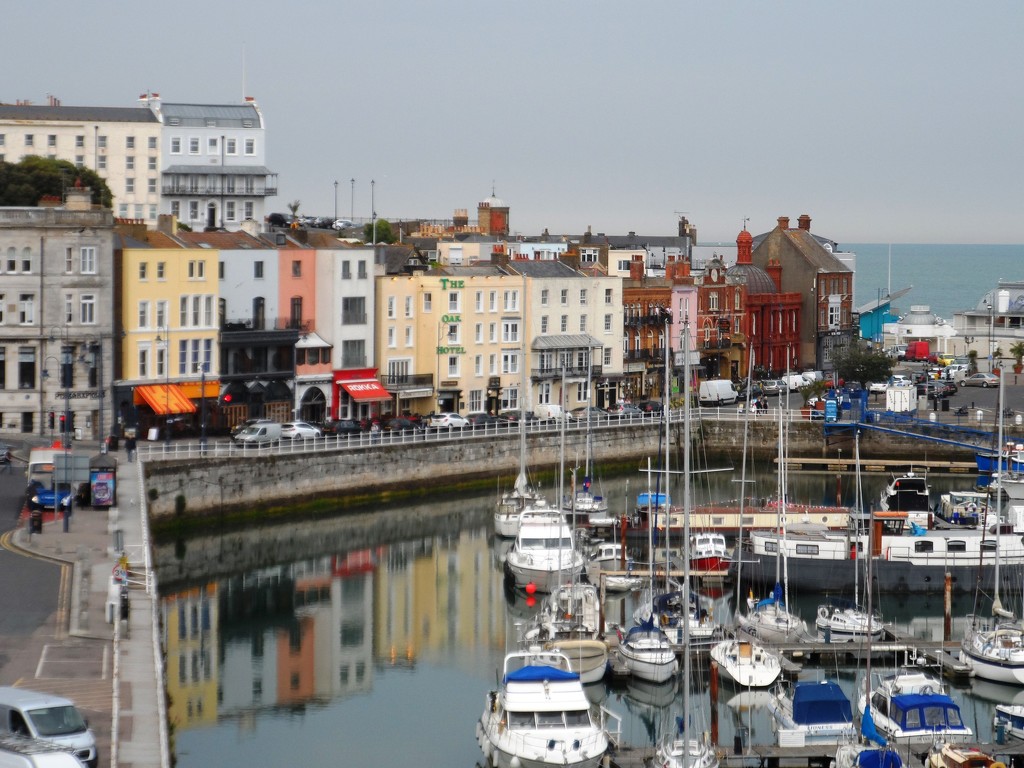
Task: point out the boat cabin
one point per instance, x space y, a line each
919 711
959 757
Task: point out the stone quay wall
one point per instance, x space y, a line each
213 487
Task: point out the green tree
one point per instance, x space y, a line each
293 206
863 365
25 183
385 234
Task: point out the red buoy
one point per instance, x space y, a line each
531 588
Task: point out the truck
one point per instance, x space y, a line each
714 392
917 350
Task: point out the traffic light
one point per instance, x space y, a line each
62 423
51 419
227 398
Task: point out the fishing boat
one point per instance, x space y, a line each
911 707
540 716
746 663
709 554
812 712
909 493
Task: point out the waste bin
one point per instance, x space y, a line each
945 405
112 443
35 521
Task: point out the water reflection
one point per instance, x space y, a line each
331 650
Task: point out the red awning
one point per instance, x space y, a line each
164 399
366 391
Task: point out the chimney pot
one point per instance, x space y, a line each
783 222
805 222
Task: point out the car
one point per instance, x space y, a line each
933 390
945 358
621 410
301 430
41 498
877 387
279 219
448 421
342 427
324 222
771 387
980 380
513 416
949 373
481 420
244 425
588 412
340 224
402 425
650 406
899 380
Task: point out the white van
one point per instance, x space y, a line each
794 381
260 433
49 718
716 392
553 411
19 752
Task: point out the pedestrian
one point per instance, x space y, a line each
129 446
6 461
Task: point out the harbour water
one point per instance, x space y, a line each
948 278
383 656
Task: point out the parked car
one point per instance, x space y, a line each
244 425
448 421
771 387
301 430
342 427
403 425
877 387
980 380
624 409
481 420
589 413
515 415
650 406
949 373
341 224
279 219
934 390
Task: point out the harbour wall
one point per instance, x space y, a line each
235 489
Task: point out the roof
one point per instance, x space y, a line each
77 114
881 301
221 240
756 279
221 170
815 251
567 341
225 115
542 269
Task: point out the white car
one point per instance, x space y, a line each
291 430
877 387
448 421
340 224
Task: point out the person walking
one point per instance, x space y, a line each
6 461
129 446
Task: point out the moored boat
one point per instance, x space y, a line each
746 663
812 712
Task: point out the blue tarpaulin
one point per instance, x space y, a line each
539 673
822 702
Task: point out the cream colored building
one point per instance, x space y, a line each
120 144
466 339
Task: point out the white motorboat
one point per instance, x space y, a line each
647 653
611 556
812 712
570 621
540 716
746 663
587 657
543 555
770 620
912 708
841 621
908 493
680 752
1011 718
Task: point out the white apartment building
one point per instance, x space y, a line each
214 172
121 144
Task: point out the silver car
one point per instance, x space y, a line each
300 430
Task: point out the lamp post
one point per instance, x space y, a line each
202 402
373 212
352 202
335 199
167 384
991 333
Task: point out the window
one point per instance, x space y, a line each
492 299
69 308
564 300
408 336
408 306
79 161
353 310
510 331
492 333
361 269
453 301
51 140
129 185
544 297
160 270
193 210
392 338
453 366
129 163
583 297
30 140
26 367
353 353
143 314
391 307
231 146
176 209
183 311
101 162
564 325
296 308
161 313
151 186
229 210
248 208
212 145
607 323
257 270
510 362
193 146
129 142
26 308
583 323
197 269
478 301
151 164
144 361
88 309
607 356
176 145
713 301
250 146
87 259
427 302
511 301
151 142
543 324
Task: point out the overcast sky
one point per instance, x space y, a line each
884 121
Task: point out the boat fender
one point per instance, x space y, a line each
664 619
998 764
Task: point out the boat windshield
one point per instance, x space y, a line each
552 542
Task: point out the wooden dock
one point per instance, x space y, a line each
895 464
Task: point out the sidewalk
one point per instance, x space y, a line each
138 714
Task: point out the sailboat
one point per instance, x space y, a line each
569 622
770 619
584 502
681 750
995 650
842 620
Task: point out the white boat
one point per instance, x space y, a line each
908 493
709 554
587 657
543 556
679 752
540 716
647 653
812 712
1011 718
693 625
842 621
746 663
962 509
912 708
862 756
611 556
950 756
570 621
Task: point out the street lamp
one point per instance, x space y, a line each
335 199
352 202
202 401
991 332
167 384
66 373
373 212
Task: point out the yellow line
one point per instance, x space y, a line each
63 591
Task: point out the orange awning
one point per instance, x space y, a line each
164 399
366 391
194 390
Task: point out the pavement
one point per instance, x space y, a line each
94 648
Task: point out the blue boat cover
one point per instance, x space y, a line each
920 701
879 758
647 499
822 702
868 729
536 673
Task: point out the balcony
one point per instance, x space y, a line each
574 372
716 344
395 382
218 190
638 355
262 324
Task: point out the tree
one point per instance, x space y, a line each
385 234
29 181
293 206
863 365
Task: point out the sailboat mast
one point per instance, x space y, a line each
997 606
668 452
686 523
743 483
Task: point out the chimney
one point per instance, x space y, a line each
636 269
774 270
250 227
783 222
78 198
167 223
805 222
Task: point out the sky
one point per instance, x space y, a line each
886 122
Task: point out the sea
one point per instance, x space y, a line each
947 278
